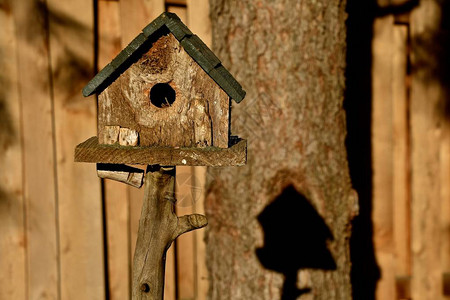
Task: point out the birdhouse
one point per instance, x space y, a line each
165 99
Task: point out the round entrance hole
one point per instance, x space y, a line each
145 288
162 95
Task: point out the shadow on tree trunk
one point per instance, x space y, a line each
295 237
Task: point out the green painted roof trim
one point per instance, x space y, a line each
193 45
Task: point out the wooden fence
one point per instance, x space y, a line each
411 154
67 235
64 233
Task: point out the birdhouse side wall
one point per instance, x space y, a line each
168 99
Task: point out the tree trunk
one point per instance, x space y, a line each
279 227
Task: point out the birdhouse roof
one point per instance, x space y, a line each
193 45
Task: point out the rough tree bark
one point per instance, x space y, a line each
290 58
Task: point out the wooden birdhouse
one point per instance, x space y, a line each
165 89
163 101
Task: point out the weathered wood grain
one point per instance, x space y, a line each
71 37
110 135
199 116
92 151
38 149
129 175
13 245
128 137
158 228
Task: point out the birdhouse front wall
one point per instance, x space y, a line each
165 99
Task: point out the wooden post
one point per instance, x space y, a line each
158 228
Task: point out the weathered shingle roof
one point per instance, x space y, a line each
193 45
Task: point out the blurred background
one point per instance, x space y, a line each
65 234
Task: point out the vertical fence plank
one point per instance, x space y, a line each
115 193
12 240
116 197
201 273
200 24
382 155
185 243
38 147
109 31
170 280
198 18
401 158
426 91
135 197
136 14
80 206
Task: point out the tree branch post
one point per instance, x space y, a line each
158 228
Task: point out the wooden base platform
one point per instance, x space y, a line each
93 152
